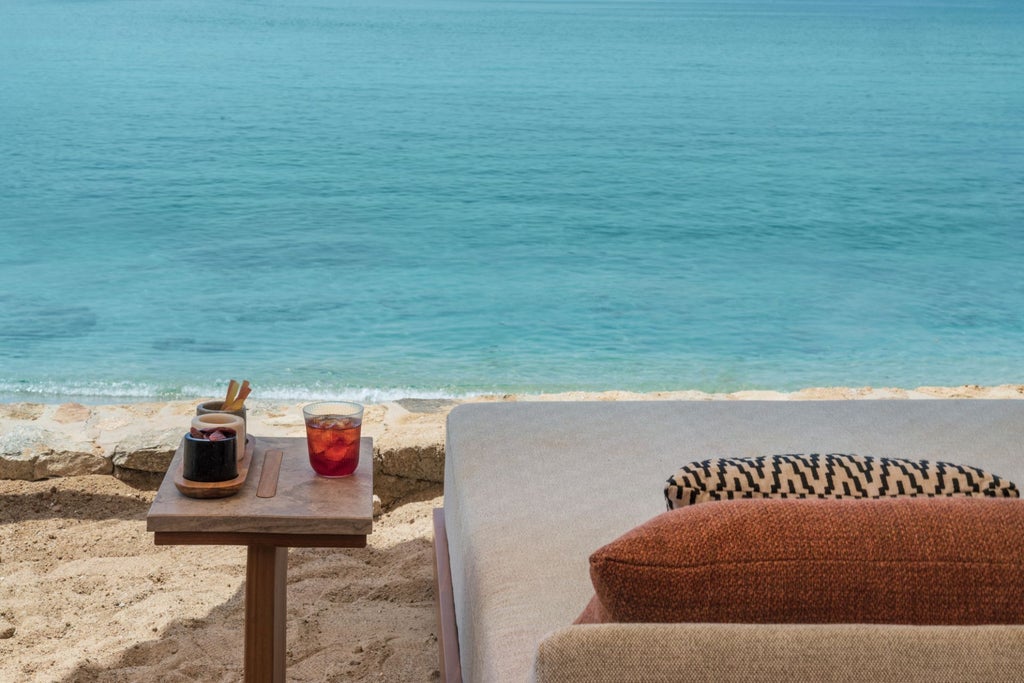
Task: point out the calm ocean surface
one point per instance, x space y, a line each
442 197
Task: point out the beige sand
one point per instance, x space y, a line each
90 598
86 596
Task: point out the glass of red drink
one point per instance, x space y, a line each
332 435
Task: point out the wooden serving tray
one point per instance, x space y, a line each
214 489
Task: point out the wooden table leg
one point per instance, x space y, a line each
266 576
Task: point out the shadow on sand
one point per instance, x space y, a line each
68 503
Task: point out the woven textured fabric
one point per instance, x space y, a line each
851 653
890 560
832 475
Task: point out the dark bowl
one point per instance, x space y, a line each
210 460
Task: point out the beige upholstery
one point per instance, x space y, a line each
531 489
684 653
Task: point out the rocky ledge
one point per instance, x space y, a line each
136 442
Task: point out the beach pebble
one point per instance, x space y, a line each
6 629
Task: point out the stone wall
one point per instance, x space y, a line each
136 442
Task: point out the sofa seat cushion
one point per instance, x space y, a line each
889 560
831 475
780 653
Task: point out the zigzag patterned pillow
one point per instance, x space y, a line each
828 476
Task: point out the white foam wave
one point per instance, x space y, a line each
360 394
49 392
44 390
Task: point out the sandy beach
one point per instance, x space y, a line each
85 595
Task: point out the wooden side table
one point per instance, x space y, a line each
307 511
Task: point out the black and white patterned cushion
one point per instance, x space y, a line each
832 475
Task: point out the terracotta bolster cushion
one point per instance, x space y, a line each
892 560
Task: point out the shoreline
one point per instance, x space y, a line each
369 396
392 396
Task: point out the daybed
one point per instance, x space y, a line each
533 489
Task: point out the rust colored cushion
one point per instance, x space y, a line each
891 560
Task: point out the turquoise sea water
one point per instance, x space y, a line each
442 197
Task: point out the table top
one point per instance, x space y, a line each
305 504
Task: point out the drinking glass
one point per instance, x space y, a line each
332 435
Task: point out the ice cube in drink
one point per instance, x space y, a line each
333 444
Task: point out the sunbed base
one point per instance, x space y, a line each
448 633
